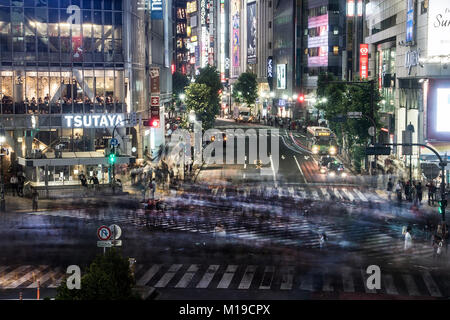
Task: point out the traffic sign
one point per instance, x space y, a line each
104 244
114 142
154 101
116 231
103 233
354 115
430 170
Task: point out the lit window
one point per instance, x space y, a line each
335 50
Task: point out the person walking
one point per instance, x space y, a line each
430 186
407 188
419 191
413 193
322 240
21 179
14 184
390 186
152 187
398 190
83 179
408 240
35 198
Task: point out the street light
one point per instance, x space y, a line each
192 116
182 97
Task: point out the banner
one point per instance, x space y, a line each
409 20
235 18
363 60
251 33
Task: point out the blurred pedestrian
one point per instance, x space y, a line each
35 198
14 184
21 179
419 192
390 186
408 240
430 185
322 240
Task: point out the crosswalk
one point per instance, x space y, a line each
244 277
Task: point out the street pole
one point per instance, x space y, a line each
2 198
113 168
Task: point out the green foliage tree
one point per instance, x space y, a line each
342 98
107 278
246 88
198 97
210 77
179 83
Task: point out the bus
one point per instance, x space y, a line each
321 141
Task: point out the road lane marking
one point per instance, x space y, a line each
208 276
148 275
247 278
325 193
360 195
287 279
227 277
410 285
168 276
327 283
273 171
431 285
338 195
307 282
267 278
299 168
348 194
388 281
188 276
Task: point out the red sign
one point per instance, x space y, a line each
154 101
364 60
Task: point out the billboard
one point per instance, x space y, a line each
281 76
438 110
318 44
409 20
251 33
235 21
363 60
438 17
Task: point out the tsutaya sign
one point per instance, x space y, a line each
94 120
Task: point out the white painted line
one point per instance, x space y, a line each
227 277
148 275
267 278
410 285
307 282
28 276
188 276
300 169
360 195
327 284
431 285
315 195
348 194
247 278
168 276
274 173
325 193
338 195
287 279
388 281
4 280
207 278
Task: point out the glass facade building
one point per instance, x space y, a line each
72 57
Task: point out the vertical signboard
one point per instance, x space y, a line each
235 20
156 9
270 72
363 60
281 76
154 80
251 33
350 8
409 20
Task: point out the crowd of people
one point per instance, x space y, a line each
413 191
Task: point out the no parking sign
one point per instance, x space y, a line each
103 233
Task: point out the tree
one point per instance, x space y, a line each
179 83
198 99
210 77
342 98
246 88
107 278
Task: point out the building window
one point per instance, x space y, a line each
270 45
270 24
335 50
424 7
335 30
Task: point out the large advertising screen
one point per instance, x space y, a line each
438 110
438 17
235 21
409 20
318 43
251 33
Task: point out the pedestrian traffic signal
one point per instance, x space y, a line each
112 158
442 206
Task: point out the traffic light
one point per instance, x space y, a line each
154 123
301 98
112 158
442 206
